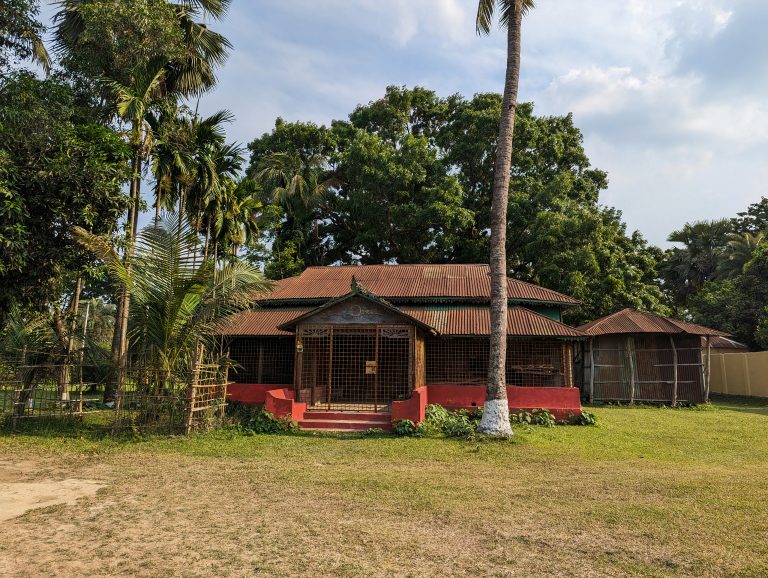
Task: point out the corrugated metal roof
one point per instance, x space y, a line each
358 292
408 281
521 322
718 342
263 321
633 321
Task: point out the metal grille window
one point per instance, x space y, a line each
534 363
267 360
354 367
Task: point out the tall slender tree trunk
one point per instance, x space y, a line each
182 201
495 420
120 336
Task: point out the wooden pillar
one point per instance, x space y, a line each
631 361
674 369
260 370
707 371
591 370
376 375
330 367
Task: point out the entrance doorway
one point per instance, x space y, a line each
353 367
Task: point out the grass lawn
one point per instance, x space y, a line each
651 492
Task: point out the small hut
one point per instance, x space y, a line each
633 356
726 345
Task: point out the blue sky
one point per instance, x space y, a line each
670 94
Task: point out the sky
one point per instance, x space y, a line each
669 94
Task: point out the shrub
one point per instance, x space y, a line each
584 418
405 428
538 416
257 420
461 423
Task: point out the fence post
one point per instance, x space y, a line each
630 349
707 370
674 369
591 370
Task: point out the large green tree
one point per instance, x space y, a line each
737 304
57 171
409 178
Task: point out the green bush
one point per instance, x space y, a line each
405 428
257 420
583 418
538 416
461 423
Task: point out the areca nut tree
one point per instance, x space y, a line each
179 301
133 104
495 420
185 73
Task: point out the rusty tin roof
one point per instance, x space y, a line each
521 322
262 321
719 342
408 282
633 321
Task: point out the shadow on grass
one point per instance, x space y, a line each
758 405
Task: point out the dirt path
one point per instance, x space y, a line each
18 494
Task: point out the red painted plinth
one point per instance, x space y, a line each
280 403
252 393
278 400
561 401
413 408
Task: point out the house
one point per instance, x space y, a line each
633 356
353 347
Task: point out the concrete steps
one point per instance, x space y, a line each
345 421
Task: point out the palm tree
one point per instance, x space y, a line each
300 186
21 34
189 75
495 420
132 104
738 251
179 301
700 258
232 217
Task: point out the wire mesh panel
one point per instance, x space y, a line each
266 360
647 368
529 363
354 367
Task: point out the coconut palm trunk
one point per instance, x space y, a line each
495 420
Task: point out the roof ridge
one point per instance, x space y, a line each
549 319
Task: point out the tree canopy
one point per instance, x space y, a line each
57 171
408 179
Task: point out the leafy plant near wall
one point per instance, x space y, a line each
583 418
537 416
251 420
405 428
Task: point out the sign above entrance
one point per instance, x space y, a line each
370 367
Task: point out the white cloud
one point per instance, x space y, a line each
668 93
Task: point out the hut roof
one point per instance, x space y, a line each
521 322
408 282
719 342
633 321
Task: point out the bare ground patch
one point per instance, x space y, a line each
560 504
